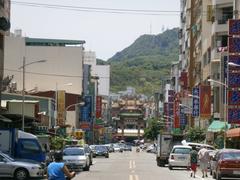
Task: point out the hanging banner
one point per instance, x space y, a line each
98 106
205 101
196 102
177 111
86 110
234 27
234 115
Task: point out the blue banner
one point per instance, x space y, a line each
196 102
183 117
86 110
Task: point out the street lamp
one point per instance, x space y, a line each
23 83
225 108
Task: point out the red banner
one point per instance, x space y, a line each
177 111
98 106
184 80
205 101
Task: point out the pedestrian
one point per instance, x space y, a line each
193 161
57 170
204 158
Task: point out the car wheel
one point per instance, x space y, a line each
170 167
21 174
107 156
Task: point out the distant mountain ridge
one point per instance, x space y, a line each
148 45
144 63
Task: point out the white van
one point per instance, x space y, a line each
179 157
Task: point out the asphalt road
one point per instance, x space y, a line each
133 166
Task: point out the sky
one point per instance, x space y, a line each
105 32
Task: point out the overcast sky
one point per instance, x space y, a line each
105 33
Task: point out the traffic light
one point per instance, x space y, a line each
4 24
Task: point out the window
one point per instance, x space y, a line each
73 152
30 146
181 150
231 156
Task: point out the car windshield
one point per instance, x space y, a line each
101 148
231 155
181 150
73 152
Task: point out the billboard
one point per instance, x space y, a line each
205 101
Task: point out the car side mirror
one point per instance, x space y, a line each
214 158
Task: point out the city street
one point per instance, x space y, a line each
132 166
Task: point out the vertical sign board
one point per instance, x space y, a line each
177 111
183 118
99 107
170 105
205 101
234 45
234 27
86 113
61 108
196 102
234 115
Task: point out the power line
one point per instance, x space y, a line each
48 74
98 10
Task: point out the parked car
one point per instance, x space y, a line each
179 157
117 148
127 147
89 152
227 164
76 158
19 169
101 150
110 147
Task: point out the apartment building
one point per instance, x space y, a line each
203 42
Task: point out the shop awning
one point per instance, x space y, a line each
233 132
217 126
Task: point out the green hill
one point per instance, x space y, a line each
144 63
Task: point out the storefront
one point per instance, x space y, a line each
233 136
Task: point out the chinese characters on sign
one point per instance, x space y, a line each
196 102
177 111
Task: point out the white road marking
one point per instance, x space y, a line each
130 177
136 177
134 165
130 164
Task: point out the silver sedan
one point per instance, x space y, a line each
19 169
